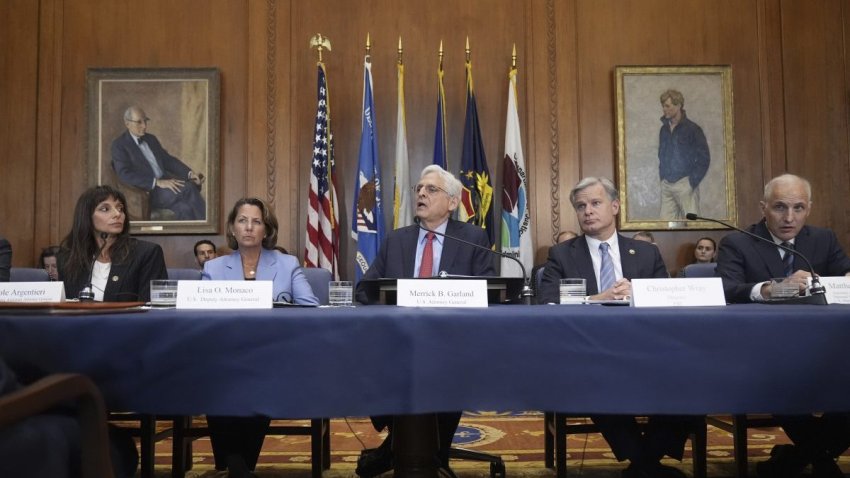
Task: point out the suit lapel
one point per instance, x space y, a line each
450 247
768 252
628 258
580 256
266 269
233 267
408 251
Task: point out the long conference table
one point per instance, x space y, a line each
356 361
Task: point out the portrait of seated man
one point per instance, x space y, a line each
139 160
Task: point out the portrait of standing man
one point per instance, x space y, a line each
683 158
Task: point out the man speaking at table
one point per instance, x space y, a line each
411 252
607 260
746 266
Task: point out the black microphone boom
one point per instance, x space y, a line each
527 294
87 294
817 291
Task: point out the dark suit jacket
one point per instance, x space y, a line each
743 261
5 259
129 281
571 259
132 168
397 257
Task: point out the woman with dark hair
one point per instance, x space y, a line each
705 251
252 234
100 255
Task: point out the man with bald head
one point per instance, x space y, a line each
746 266
139 160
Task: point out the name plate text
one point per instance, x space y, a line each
441 293
32 292
224 294
695 292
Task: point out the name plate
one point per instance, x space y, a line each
224 294
695 292
32 292
441 293
837 289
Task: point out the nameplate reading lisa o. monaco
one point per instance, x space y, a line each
32 292
441 293
692 292
224 294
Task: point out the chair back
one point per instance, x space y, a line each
28 274
184 274
318 279
699 270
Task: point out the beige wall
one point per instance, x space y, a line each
788 60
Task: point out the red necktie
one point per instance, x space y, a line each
427 263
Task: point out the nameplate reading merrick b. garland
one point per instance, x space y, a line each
224 294
32 292
441 293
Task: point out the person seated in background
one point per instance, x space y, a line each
607 260
566 236
47 261
5 259
746 266
410 252
204 251
644 236
705 251
99 253
252 234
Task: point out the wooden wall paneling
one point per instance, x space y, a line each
17 138
771 87
814 63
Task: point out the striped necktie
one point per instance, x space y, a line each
607 277
788 259
426 265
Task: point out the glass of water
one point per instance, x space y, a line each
164 292
340 292
573 291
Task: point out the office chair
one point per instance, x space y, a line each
184 274
59 389
319 429
699 270
556 427
28 274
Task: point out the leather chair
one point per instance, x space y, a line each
556 427
699 270
28 274
184 274
59 389
319 429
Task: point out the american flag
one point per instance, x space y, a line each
322 248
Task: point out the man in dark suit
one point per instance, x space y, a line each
139 160
746 266
607 260
412 252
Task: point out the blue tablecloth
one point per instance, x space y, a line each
311 362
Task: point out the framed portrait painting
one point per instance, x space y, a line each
153 134
675 146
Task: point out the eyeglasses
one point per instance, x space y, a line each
140 121
430 189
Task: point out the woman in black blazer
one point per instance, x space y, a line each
99 251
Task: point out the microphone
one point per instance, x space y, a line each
87 294
526 294
817 291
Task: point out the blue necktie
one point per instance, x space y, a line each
788 260
607 277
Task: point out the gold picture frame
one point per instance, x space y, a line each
648 201
182 105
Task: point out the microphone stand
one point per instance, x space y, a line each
526 294
87 294
816 290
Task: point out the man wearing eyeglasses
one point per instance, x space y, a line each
140 161
412 251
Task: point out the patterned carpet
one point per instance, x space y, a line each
517 438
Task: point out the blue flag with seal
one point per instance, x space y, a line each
476 201
440 128
367 226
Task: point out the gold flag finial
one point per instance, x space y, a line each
441 54
368 44
319 42
468 51
399 51
513 58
